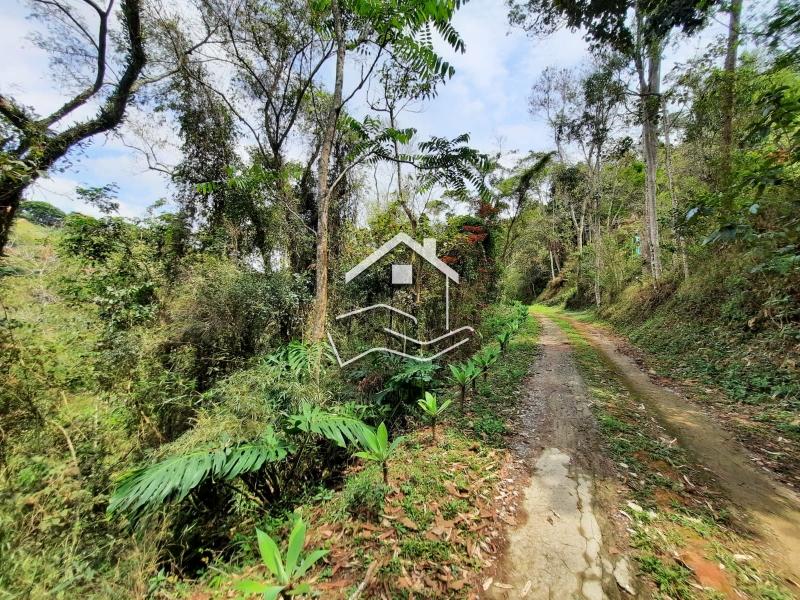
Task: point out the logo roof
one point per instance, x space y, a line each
401 238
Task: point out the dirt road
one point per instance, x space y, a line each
773 507
560 550
568 544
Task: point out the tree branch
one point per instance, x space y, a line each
15 114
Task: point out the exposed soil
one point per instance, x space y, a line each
771 510
563 546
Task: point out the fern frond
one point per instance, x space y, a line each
338 428
175 477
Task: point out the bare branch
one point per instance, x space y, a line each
83 97
71 17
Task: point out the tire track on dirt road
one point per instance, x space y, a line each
561 549
774 508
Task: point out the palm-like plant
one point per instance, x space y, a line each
378 448
474 372
433 410
288 573
462 375
484 360
504 338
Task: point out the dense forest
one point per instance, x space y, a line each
173 418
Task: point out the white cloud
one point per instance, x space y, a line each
108 161
488 94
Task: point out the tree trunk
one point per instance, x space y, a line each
597 263
385 466
10 197
649 90
728 96
320 313
673 198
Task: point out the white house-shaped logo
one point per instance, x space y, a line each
402 274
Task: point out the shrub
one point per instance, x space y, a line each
226 314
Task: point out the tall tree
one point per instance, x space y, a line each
320 312
399 32
602 94
729 90
637 29
36 143
554 96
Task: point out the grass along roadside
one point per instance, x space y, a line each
685 535
435 528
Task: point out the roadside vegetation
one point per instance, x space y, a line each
708 289
397 511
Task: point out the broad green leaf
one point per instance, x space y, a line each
250 586
365 455
296 542
309 561
383 436
273 592
302 588
271 556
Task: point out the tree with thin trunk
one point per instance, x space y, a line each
728 95
637 29
320 311
396 31
671 185
36 143
602 93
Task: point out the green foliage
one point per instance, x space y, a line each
432 409
175 477
41 213
409 382
222 314
462 375
287 571
503 338
377 447
339 428
121 280
364 495
297 358
101 197
93 240
486 358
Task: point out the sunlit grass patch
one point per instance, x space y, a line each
498 396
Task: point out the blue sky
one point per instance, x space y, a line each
487 97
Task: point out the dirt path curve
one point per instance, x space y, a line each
774 508
560 548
